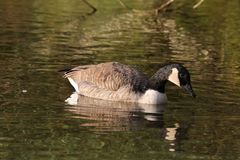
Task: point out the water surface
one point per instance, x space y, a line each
38 38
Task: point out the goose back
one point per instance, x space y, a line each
109 76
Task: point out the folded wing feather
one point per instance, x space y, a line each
110 80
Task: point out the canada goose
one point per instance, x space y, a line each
119 82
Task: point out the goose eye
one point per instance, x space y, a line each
180 75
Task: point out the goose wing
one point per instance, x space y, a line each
109 76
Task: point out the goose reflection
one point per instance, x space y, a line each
114 116
107 116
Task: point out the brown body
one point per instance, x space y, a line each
108 81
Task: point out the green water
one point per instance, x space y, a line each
39 37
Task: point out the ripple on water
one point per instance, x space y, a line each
35 43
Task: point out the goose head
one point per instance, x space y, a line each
175 73
180 76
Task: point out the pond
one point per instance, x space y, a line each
39 37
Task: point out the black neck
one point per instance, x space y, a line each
157 85
159 79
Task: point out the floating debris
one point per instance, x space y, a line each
24 91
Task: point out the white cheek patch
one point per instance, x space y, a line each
173 77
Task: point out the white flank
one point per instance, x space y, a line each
153 97
73 99
174 77
74 84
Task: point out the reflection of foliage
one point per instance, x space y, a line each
39 37
217 30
